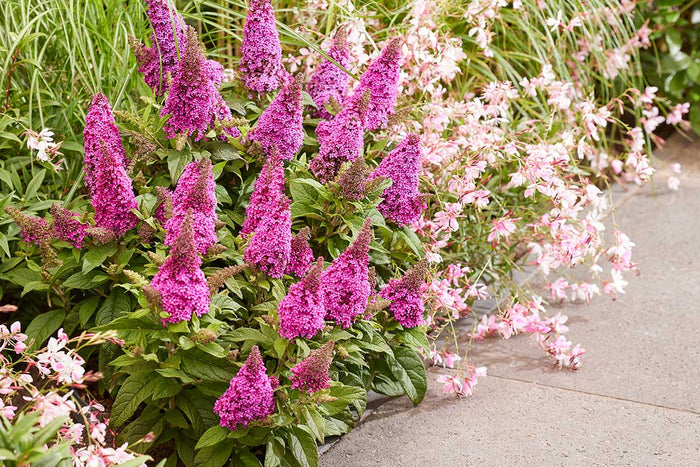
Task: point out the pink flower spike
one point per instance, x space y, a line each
345 284
195 193
328 81
250 395
180 281
270 248
112 194
301 312
194 103
280 125
268 188
406 296
402 203
311 374
301 256
381 79
261 66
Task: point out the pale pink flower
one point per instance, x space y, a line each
502 228
452 384
675 116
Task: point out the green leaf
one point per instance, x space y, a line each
274 451
339 424
134 391
344 396
83 281
212 436
213 456
164 388
244 458
673 40
177 160
204 366
34 184
407 367
306 191
303 446
116 304
43 326
97 255
248 334
87 308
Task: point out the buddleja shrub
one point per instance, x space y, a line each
252 268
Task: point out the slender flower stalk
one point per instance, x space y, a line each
345 284
180 281
261 66
250 395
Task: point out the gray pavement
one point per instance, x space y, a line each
635 401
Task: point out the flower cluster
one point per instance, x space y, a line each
250 395
345 284
261 53
111 191
330 83
180 281
268 188
270 248
280 125
195 194
67 227
160 60
406 296
301 311
402 202
46 397
311 374
194 103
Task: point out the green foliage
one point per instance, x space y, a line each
164 380
673 65
22 442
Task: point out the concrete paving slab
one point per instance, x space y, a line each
510 422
